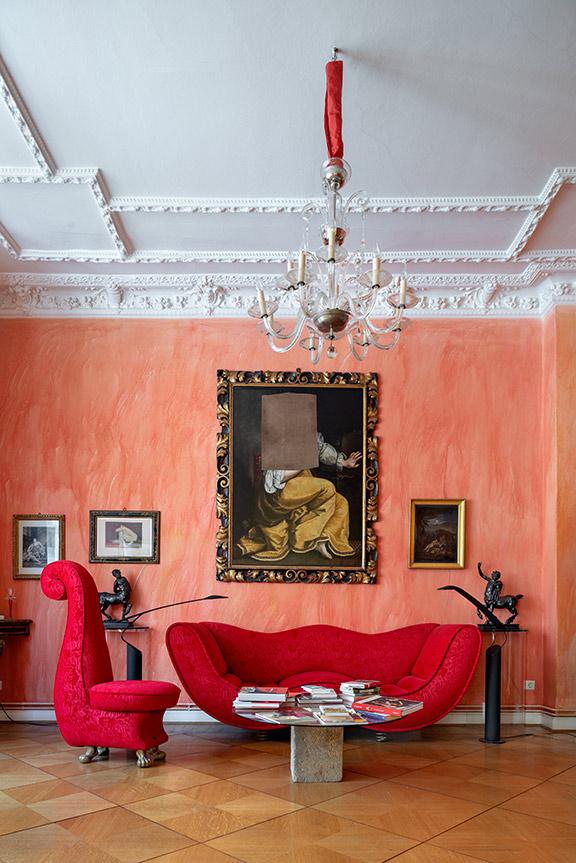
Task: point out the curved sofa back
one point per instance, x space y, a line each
271 656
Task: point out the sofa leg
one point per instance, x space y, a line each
94 753
382 737
262 735
147 757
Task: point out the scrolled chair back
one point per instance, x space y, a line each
84 658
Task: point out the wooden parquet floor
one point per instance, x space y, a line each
224 796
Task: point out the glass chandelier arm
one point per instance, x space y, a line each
269 325
359 199
359 352
389 328
292 337
389 345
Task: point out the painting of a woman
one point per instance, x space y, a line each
299 512
297 477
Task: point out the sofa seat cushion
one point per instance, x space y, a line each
131 696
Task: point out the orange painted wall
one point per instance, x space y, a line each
559 399
120 413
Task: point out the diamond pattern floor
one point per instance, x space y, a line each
224 796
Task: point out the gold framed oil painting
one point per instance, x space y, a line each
297 478
437 534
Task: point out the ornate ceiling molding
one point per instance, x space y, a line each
26 126
494 204
504 296
229 295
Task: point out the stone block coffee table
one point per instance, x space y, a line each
316 750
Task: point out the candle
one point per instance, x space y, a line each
402 290
262 303
302 268
332 244
376 270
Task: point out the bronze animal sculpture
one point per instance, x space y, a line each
120 596
492 598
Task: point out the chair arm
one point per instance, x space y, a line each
201 678
449 665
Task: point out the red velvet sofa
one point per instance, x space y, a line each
429 661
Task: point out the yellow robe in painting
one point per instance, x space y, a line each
307 511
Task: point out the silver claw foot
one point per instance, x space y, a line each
156 754
103 753
89 755
382 737
143 759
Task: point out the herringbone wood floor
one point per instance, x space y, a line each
224 796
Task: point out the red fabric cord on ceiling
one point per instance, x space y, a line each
333 109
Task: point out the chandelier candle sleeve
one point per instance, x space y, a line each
402 290
375 271
301 267
262 303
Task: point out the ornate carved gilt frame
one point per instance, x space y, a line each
227 381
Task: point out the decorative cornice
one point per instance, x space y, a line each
122 251
490 204
230 295
26 126
8 242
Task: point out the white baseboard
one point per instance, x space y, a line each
189 713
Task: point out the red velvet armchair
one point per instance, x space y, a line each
93 709
428 661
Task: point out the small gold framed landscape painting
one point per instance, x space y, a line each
37 541
437 534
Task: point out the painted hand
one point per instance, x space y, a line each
353 460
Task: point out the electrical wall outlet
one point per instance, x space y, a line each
530 685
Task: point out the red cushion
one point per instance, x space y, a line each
131 696
321 678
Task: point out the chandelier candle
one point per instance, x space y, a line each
335 290
262 303
301 268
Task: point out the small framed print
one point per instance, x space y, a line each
117 536
37 541
437 534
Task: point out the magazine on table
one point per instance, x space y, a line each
386 705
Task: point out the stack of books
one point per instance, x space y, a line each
262 698
355 690
313 696
384 708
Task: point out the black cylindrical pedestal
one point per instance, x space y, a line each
133 662
492 695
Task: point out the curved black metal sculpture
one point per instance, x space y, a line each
492 600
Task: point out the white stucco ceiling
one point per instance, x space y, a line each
118 108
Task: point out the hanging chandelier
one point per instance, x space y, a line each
336 291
